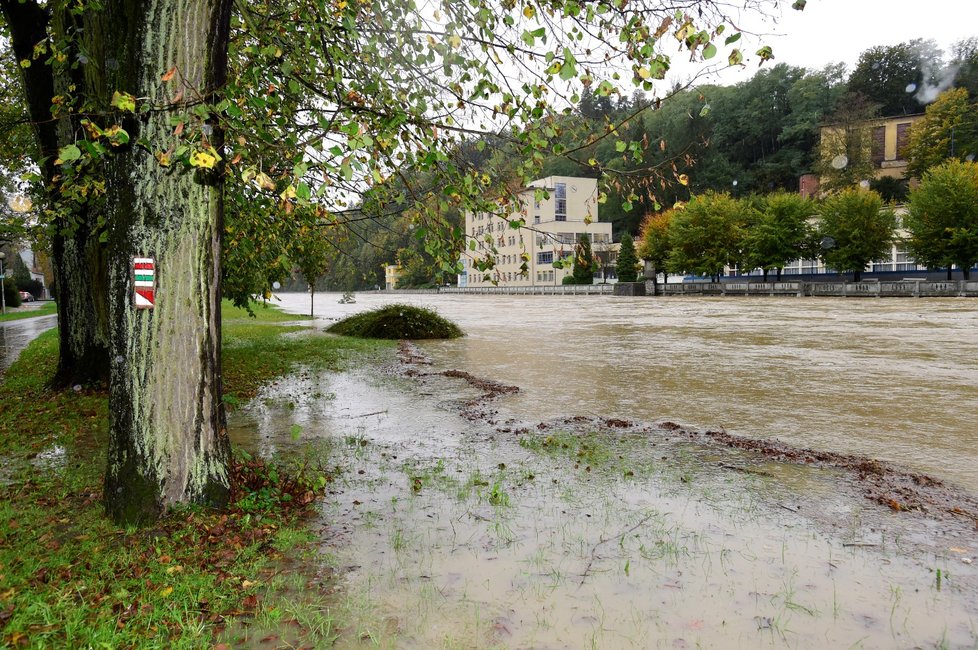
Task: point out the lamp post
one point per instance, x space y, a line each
3 296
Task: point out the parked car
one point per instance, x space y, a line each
26 296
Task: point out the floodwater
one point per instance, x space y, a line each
890 379
467 534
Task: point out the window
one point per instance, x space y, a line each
560 209
536 218
545 258
879 145
903 134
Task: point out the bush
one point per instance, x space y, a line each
397 321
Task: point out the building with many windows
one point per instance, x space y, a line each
556 211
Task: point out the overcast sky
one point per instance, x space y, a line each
828 31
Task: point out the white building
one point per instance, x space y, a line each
555 219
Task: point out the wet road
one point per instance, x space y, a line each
16 334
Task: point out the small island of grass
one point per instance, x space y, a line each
398 321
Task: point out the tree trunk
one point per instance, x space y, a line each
79 258
765 275
167 441
312 296
856 275
949 275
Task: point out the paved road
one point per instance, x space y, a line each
16 334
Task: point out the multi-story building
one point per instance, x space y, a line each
554 221
881 142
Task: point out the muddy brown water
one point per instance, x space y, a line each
458 533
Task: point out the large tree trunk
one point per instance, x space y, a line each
78 256
168 442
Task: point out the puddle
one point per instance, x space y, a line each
53 458
453 533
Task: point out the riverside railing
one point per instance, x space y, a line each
910 288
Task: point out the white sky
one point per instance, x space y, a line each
828 31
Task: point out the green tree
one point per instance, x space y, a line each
855 229
943 217
584 265
627 260
777 234
310 254
845 150
655 242
891 75
949 129
706 235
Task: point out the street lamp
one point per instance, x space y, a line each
3 296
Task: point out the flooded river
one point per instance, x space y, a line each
520 529
890 379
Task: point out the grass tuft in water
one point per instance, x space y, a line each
398 321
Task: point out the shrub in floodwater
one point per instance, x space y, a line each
397 322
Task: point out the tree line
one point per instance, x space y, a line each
847 230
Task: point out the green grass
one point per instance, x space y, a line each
397 321
71 578
44 310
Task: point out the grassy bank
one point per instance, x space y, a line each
70 578
17 314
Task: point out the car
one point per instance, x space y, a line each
26 296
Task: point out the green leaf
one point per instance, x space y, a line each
733 38
709 51
123 101
67 154
620 146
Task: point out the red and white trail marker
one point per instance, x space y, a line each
144 282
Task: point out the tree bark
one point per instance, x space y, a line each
168 441
78 256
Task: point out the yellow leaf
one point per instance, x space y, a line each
163 158
529 11
288 193
684 179
264 181
166 591
174 569
454 41
247 584
202 159
644 73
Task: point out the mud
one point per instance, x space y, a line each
919 498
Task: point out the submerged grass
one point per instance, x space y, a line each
398 321
71 578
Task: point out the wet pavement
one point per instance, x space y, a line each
16 334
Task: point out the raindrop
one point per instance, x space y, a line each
735 182
119 358
207 130
82 59
112 64
911 87
840 161
970 157
76 388
276 285
864 184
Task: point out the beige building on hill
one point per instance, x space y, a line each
880 141
554 223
